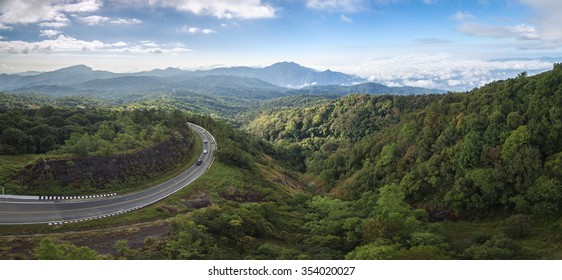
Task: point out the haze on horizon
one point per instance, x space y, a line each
425 43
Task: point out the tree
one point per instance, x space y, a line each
189 241
393 217
54 249
47 144
78 144
12 136
518 226
424 252
471 147
106 131
515 142
26 145
497 248
380 250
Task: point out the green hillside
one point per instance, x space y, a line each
495 149
473 175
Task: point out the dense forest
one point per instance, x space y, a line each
74 135
473 175
66 130
495 149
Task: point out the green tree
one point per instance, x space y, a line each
106 131
471 147
47 144
379 250
497 248
515 142
518 226
12 136
393 217
54 249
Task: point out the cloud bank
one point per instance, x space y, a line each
69 44
444 71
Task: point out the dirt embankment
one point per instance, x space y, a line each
100 171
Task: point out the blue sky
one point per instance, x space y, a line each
433 43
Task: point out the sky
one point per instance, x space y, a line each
447 44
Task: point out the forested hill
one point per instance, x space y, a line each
491 152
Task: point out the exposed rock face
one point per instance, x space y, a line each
200 201
99 171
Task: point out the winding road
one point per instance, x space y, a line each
14 211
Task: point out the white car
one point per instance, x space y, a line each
205 151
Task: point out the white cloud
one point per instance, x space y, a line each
150 44
126 21
337 5
420 83
544 33
193 30
155 50
454 83
462 16
49 33
181 50
99 20
547 16
5 27
229 9
442 71
350 6
51 13
190 29
61 43
524 32
58 22
94 20
120 44
521 31
343 18
81 6
2 37
68 44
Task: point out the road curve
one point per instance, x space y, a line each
26 211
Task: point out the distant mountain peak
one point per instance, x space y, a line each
287 65
79 66
75 68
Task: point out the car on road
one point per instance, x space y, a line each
205 151
205 141
198 162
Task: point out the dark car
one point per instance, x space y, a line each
199 161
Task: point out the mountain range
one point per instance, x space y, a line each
277 80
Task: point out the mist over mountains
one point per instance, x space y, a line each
278 80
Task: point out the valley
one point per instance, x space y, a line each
357 171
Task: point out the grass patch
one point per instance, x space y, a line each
9 165
461 234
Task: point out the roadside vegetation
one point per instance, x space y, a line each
49 133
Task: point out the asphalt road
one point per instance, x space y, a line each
34 211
